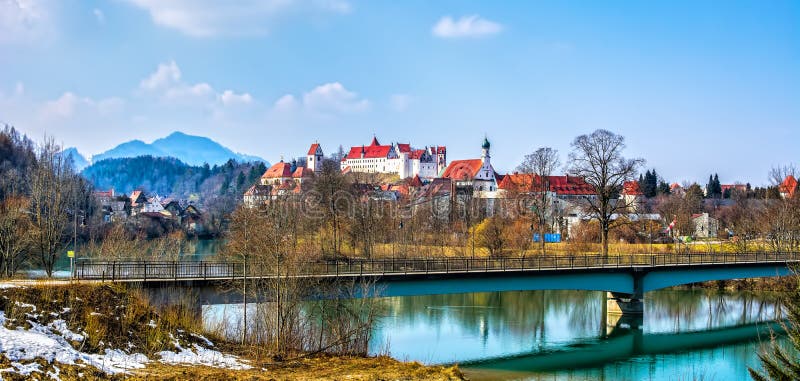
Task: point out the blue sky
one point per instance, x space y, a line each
695 86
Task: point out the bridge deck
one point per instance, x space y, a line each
181 271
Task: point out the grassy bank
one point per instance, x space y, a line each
81 332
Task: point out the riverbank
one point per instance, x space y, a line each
87 332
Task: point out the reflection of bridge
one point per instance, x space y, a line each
625 343
625 277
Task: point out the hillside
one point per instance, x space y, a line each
192 150
79 162
171 177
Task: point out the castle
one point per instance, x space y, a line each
400 159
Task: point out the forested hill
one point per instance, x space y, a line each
171 177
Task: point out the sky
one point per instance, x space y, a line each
696 87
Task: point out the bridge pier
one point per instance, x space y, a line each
625 304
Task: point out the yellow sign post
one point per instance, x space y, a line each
71 256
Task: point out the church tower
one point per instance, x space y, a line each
485 157
314 158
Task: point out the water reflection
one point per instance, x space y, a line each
522 334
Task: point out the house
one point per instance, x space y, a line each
104 197
705 226
257 194
677 190
138 202
632 196
788 187
173 206
153 205
565 193
476 173
728 190
400 159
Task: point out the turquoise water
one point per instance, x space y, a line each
568 335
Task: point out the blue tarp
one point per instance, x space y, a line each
548 238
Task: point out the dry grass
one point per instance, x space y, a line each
316 368
112 316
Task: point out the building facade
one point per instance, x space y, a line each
400 159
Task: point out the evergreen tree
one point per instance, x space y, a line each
663 188
710 186
240 180
781 363
717 186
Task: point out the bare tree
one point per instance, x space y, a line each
52 186
542 162
597 158
15 234
779 173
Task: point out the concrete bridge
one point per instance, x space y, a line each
626 278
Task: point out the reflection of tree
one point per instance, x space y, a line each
687 310
519 313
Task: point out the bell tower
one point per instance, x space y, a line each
314 158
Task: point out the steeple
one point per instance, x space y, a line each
485 150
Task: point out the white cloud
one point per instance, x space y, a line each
182 91
228 97
167 74
69 104
23 20
166 83
334 98
208 18
19 89
99 15
400 102
286 103
466 26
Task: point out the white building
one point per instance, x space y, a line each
477 173
400 159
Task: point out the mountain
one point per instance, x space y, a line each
192 150
78 160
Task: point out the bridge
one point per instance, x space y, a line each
626 278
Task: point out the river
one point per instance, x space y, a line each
567 335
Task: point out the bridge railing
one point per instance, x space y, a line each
214 270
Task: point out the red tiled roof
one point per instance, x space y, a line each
415 182
463 169
370 152
674 186
416 154
438 186
560 185
631 188
302 172
404 147
278 170
109 193
732 187
313 149
374 142
788 185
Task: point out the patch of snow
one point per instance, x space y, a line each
7 285
65 310
23 369
25 305
40 342
202 356
151 324
61 326
203 338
